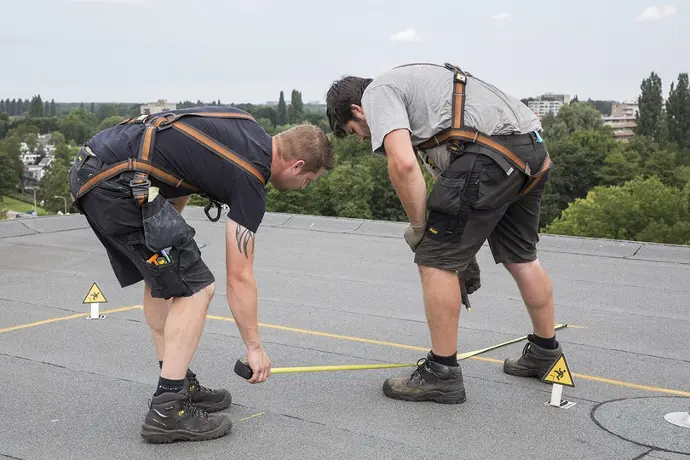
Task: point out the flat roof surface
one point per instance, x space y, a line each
345 291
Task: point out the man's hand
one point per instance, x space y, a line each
414 235
260 364
470 277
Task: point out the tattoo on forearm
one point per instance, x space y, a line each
245 240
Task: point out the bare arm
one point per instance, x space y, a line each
406 175
241 285
243 296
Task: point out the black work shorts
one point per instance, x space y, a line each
475 200
131 235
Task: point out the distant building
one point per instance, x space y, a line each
624 109
548 103
161 105
623 126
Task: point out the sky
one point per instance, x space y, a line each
250 50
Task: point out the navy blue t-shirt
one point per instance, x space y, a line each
219 178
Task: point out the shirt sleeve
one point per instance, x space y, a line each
385 111
247 202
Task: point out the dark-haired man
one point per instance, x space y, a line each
485 152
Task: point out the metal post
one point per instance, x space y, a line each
63 199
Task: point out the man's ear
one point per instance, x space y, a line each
298 165
357 112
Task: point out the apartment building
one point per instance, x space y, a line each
161 105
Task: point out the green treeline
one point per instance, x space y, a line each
599 187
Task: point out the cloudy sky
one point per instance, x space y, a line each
248 50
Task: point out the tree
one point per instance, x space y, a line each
282 110
11 167
31 140
4 125
571 118
678 112
650 115
640 210
108 123
578 166
55 182
53 108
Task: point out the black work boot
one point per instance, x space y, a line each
431 381
534 362
205 398
172 417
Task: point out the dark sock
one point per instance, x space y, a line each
167 386
549 343
451 360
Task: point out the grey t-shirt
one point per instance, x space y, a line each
418 98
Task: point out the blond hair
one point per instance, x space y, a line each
309 143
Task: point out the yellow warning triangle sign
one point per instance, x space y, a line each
95 295
559 373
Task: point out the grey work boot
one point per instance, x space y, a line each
534 362
172 416
431 381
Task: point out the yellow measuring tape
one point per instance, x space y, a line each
360 367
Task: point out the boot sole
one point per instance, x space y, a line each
156 435
224 404
523 371
454 397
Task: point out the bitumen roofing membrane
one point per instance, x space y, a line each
345 291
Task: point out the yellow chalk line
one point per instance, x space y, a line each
252 416
460 356
65 318
364 340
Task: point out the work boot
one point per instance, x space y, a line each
172 417
431 381
534 362
205 398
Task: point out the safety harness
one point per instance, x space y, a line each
144 167
459 134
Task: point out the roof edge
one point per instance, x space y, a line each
602 247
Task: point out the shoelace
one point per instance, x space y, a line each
194 411
193 382
417 374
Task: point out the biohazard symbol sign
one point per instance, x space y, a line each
95 295
559 373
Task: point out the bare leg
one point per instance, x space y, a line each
535 287
442 306
183 328
156 312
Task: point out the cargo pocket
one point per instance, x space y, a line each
447 195
164 227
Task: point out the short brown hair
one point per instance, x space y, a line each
341 95
309 143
